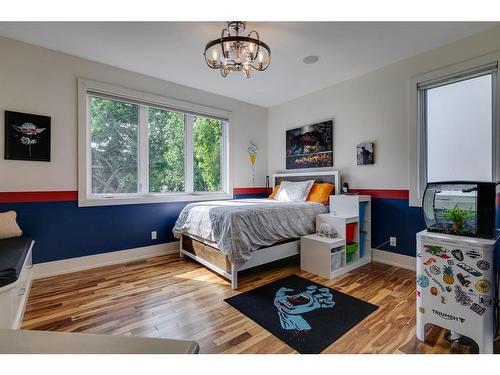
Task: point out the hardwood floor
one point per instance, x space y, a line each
177 298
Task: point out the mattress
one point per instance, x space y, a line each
239 227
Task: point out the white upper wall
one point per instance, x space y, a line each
370 108
41 81
346 49
373 107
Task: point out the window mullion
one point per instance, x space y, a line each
224 158
143 163
188 154
495 127
424 156
88 148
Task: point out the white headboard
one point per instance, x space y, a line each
331 177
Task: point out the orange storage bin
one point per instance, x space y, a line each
349 232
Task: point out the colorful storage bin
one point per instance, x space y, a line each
350 230
336 261
350 250
362 236
362 213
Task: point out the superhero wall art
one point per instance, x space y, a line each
27 136
310 146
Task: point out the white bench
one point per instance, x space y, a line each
40 342
13 296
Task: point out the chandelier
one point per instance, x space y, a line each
235 52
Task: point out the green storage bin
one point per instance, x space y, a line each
350 250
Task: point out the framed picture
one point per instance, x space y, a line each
310 146
365 154
27 136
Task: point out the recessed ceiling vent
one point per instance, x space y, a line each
310 59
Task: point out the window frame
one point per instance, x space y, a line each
417 122
189 110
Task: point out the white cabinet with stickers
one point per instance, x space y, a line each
456 286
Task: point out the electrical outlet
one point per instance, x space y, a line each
392 241
153 235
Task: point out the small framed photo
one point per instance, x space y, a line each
27 136
365 154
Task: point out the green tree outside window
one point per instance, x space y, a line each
114 127
207 139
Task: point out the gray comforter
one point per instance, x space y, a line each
239 227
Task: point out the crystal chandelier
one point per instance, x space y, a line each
235 52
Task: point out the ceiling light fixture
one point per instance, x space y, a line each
234 52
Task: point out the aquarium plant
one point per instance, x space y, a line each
458 217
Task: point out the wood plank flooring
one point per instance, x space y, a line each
177 298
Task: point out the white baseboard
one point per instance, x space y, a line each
394 259
92 261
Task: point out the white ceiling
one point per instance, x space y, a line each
173 51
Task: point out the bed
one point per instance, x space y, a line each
234 235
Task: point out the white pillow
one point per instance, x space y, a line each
294 191
8 225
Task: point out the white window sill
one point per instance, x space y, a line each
150 198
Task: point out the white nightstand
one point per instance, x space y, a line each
322 256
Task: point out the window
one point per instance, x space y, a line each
459 130
133 150
166 151
113 143
455 126
207 137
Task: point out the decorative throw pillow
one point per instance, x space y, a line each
320 193
275 191
294 191
8 225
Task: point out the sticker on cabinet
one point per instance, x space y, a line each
469 269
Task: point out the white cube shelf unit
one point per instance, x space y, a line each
318 254
322 256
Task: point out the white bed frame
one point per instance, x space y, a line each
268 254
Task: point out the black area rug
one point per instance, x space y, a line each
305 315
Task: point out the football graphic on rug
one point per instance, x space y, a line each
292 306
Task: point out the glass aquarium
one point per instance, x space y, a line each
460 208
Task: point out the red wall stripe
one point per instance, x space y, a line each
374 193
384 193
38 196
68 196
251 190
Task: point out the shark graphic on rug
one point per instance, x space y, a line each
292 306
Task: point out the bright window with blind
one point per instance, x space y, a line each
457 127
140 151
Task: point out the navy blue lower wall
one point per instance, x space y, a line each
247 196
394 217
63 230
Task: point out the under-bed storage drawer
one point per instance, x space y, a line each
210 254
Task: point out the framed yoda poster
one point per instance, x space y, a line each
27 136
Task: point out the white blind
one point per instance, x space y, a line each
459 122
